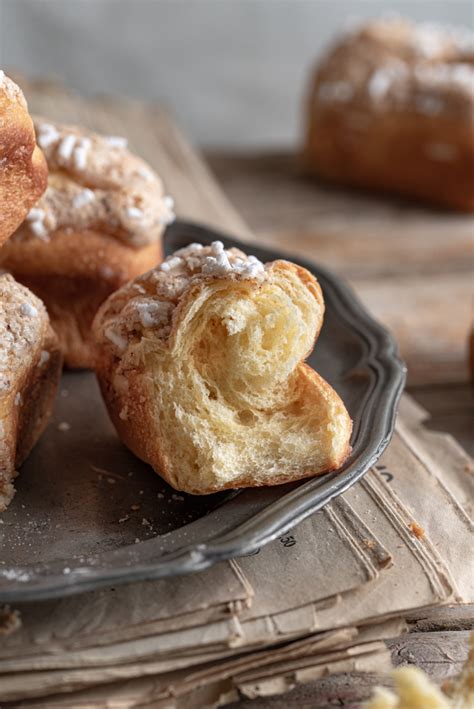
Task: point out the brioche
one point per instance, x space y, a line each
30 367
98 225
200 362
23 171
390 108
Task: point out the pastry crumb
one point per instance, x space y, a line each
10 620
417 530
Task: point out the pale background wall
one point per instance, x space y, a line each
233 71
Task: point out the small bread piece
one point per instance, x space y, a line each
200 362
23 170
391 108
98 225
30 367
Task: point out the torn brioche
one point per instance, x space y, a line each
201 365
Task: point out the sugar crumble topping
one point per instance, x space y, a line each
96 183
150 300
396 64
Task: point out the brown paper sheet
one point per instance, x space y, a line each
78 623
389 594
442 518
315 650
372 528
440 453
142 609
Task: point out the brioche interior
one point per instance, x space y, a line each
232 403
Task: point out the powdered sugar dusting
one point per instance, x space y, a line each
28 310
23 322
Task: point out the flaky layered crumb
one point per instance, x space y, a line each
200 365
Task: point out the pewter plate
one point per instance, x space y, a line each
87 513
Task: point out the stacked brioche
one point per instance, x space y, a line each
201 366
98 225
391 108
30 360
30 367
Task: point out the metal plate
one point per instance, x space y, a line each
87 513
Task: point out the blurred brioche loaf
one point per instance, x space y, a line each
391 108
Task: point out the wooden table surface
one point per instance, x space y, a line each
413 268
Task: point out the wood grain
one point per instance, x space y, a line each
440 654
356 234
411 266
444 618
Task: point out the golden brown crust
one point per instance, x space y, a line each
98 225
30 367
73 274
23 172
126 340
390 108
